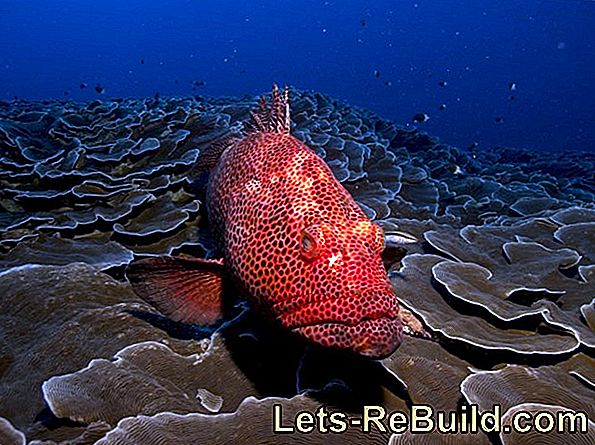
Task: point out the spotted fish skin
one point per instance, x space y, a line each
297 242
293 241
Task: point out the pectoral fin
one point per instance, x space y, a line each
189 290
412 326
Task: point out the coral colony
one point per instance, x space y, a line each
492 249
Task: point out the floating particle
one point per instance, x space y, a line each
442 107
420 117
388 83
561 45
99 89
442 83
512 86
83 85
499 119
376 74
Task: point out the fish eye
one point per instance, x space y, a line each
307 243
310 242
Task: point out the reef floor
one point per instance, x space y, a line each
497 259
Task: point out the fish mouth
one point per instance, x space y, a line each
369 325
373 338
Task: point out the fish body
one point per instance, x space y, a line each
295 242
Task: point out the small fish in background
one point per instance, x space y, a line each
66 93
363 23
442 107
512 86
388 83
198 83
99 89
157 95
442 83
376 74
511 97
420 117
83 85
455 169
142 61
499 119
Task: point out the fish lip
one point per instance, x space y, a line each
372 312
367 342
344 323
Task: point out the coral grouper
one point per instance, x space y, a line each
293 240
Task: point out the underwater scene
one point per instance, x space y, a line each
314 222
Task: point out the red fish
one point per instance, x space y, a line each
293 240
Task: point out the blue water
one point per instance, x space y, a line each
478 47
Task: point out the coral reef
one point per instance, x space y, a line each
494 250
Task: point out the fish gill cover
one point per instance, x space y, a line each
491 248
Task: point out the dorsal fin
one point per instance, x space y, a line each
268 118
273 117
210 155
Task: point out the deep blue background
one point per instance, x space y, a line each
547 47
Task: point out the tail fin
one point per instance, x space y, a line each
273 118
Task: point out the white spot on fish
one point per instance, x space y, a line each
253 185
334 259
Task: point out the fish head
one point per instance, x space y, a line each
342 297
